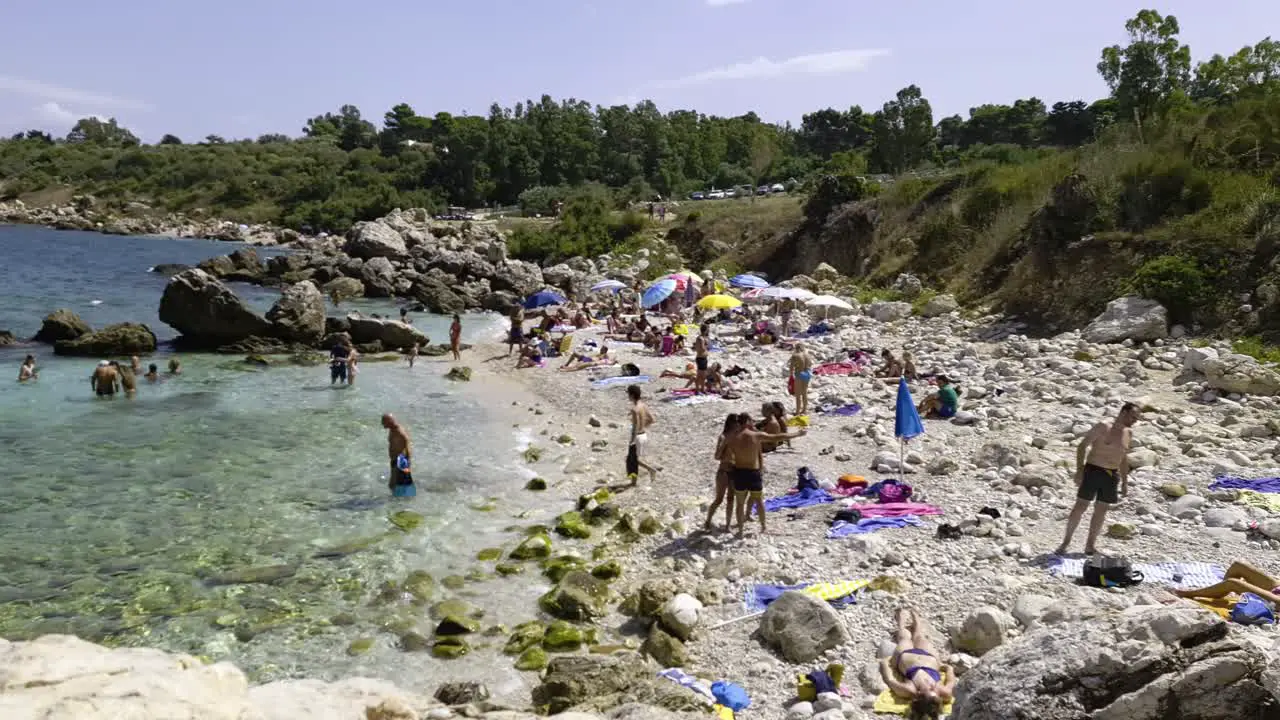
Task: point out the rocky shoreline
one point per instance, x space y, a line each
84 212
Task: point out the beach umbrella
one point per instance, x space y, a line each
718 302
687 274
658 292
612 286
826 302
748 281
543 298
786 293
906 420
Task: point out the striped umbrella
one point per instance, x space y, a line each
748 281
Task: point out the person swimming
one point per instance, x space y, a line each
28 370
153 373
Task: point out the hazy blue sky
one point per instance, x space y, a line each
245 67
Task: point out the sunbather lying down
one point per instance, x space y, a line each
1241 578
929 683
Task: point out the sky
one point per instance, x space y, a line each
242 68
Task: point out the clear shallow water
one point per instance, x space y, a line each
119 515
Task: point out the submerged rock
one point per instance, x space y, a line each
406 519
533 547
61 324
579 596
462 373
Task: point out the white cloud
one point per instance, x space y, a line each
722 3
52 112
59 94
762 68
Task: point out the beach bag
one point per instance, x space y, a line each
791 385
1102 571
730 695
892 491
630 370
806 480
1252 610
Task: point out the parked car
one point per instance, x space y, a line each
777 187
762 190
698 195
716 195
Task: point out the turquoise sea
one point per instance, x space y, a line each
123 521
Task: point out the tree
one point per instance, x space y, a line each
39 136
1070 124
273 139
347 128
1151 71
903 131
170 140
1251 70
214 140
95 131
827 132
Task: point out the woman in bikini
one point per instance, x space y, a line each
731 425
929 683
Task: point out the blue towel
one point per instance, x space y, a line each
758 597
1265 484
620 380
698 686
805 498
843 410
840 528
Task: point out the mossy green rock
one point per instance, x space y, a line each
456 608
557 567
534 547
421 586
1173 490
532 660
577 597
536 484
450 648
649 525
406 519
508 569
360 646
525 636
454 582
572 525
608 570
532 455
461 373
457 625
562 637
414 642
489 554
666 649
600 496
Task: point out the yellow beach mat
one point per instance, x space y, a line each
889 703
798 421
834 591
1221 606
1266 501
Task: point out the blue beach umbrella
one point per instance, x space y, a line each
543 298
906 420
612 286
748 281
658 292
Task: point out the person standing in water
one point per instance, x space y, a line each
455 337
353 363
338 357
641 420
801 367
128 381
413 353
175 367
28 370
400 453
1102 474
153 373
105 381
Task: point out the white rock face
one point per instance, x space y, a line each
983 630
1241 374
885 312
679 615
1129 318
940 305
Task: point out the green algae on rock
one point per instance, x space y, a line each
489 554
406 519
455 607
360 646
557 567
532 660
578 597
532 454
506 569
454 582
572 525
562 637
524 636
450 647
536 484
421 586
534 547
457 625
608 570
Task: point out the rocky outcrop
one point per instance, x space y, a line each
586 683
1129 318
1148 663
888 311
243 265
375 239
7 338
343 288
206 312
61 324
1240 374
118 339
379 277
84 213
939 305
391 333
298 316
801 627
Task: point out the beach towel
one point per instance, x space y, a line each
835 368
1221 607
831 591
891 704
798 421
702 688
620 380
893 510
758 597
695 400
841 528
1268 501
849 486
1177 575
801 499
616 344
842 410
1262 485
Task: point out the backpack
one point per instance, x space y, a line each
1252 610
630 370
806 480
892 491
849 515
1101 571
730 695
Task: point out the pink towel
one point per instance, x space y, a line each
838 368
890 510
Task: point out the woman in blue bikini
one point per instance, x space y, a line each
929 684
801 367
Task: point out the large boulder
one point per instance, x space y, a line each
437 296
1147 663
379 277
243 265
118 339
298 316
375 239
1129 318
886 311
206 312
517 276
1241 374
61 324
391 333
983 630
940 305
577 597
802 627
343 288
596 683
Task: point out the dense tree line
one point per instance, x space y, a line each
345 167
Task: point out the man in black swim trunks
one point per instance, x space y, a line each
397 444
338 357
1102 474
105 381
746 466
700 347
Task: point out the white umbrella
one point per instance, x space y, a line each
786 293
826 302
610 285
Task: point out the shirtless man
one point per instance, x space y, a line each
135 364
745 456
700 347
28 370
153 373
105 381
128 381
801 367
398 444
641 420
1102 469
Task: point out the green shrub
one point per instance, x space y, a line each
1254 347
1179 283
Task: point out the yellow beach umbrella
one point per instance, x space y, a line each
718 302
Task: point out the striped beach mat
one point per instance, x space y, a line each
1177 575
